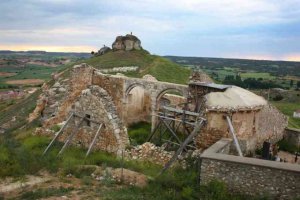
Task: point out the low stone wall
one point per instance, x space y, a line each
249 175
292 136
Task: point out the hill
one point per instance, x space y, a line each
159 67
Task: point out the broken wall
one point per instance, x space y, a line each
96 104
63 94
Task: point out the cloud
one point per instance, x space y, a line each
190 27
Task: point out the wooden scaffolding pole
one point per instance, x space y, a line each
94 140
236 142
58 133
69 139
196 130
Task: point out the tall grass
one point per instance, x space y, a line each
24 156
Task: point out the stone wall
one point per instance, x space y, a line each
63 94
292 136
114 85
96 104
119 88
252 127
249 175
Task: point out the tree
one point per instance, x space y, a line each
298 84
291 83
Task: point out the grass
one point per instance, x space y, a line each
44 193
23 156
286 146
164 70
30 72
161 68
257 75
20 110
288 109
139 132
120 59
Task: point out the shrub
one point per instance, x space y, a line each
278 97
284 145
43 193
139 132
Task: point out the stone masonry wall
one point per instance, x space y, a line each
98 105
114 86
249 175
252 127
292 136
270 124
62 95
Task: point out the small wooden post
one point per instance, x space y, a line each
94 140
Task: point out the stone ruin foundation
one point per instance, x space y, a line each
106 99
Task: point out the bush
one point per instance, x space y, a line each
278 97
139 132
284 145
43 193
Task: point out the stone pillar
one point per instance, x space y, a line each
153 112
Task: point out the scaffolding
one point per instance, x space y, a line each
74 132
176 129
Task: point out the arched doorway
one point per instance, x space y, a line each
138 104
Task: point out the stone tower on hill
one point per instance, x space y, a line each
128 42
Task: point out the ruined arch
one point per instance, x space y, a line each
165 91
138 103
130 87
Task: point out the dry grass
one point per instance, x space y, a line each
5 74
26 82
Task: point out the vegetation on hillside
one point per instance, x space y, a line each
24 156
161 68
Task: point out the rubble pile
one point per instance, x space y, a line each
149 152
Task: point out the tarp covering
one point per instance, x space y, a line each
234 98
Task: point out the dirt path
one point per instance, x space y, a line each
26 82
6 186
290 158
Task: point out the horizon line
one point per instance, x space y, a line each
221 57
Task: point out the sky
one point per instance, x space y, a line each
253 29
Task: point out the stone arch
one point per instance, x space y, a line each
137 103
166 90
131 86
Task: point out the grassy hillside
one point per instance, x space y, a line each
161 68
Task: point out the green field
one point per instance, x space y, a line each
288 109
257 75
30 72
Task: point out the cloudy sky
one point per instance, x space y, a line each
261 29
